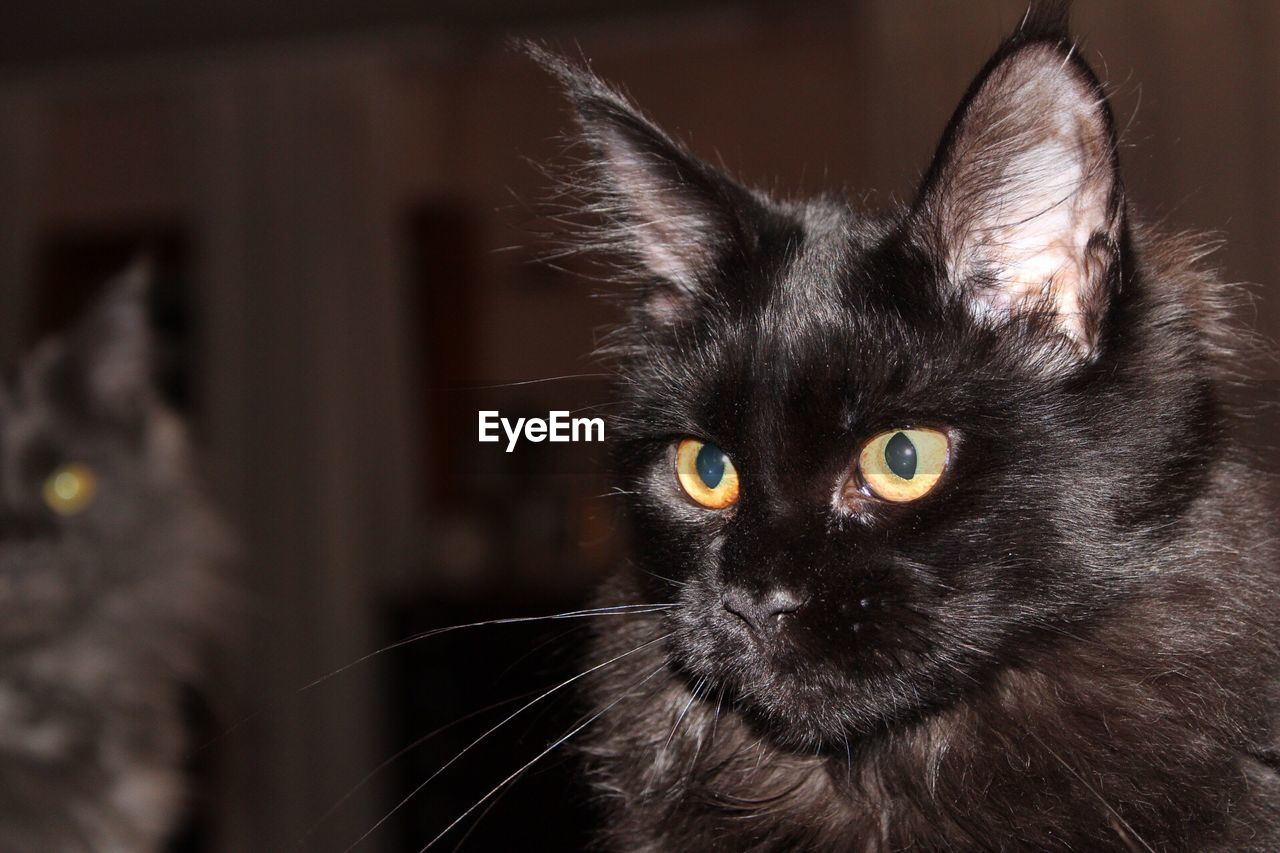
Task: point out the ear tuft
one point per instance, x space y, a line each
660 205
1046 20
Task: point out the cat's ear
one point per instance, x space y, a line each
104 362
672 213
1023 203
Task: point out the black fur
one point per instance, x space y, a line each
1070 644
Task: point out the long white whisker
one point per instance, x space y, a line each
1094 791
499 725
617 610
402 751
523 382
693 696
556 744
480 819
614 610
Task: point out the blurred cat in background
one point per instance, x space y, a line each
109 589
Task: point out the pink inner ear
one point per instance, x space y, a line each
1027 185
1038 248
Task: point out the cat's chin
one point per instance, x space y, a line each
797 702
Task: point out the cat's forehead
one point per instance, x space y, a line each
809 283
835 323
835 296
848 327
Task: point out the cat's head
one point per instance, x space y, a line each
878 459
100 515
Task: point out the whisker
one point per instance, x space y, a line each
660 758
499 725
630 690
616 492
702 735
693 697
537 381
593 407
399 753
480 818
666 579
1115 814
581 626
613 610
556 744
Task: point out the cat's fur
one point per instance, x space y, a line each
103 614
1071 644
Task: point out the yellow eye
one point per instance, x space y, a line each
70 488
706 474
902 465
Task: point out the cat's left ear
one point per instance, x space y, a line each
1023 204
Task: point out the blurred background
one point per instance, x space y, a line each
339 202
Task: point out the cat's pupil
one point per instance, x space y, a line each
710 465
900 456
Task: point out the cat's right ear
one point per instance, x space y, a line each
101 367
673 214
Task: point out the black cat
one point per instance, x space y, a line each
963 553
110 590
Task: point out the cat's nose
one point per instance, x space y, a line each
763 613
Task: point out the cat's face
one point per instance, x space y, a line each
878 460
98 510
826 604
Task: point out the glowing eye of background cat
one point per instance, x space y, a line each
70 488
904 464
706 474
